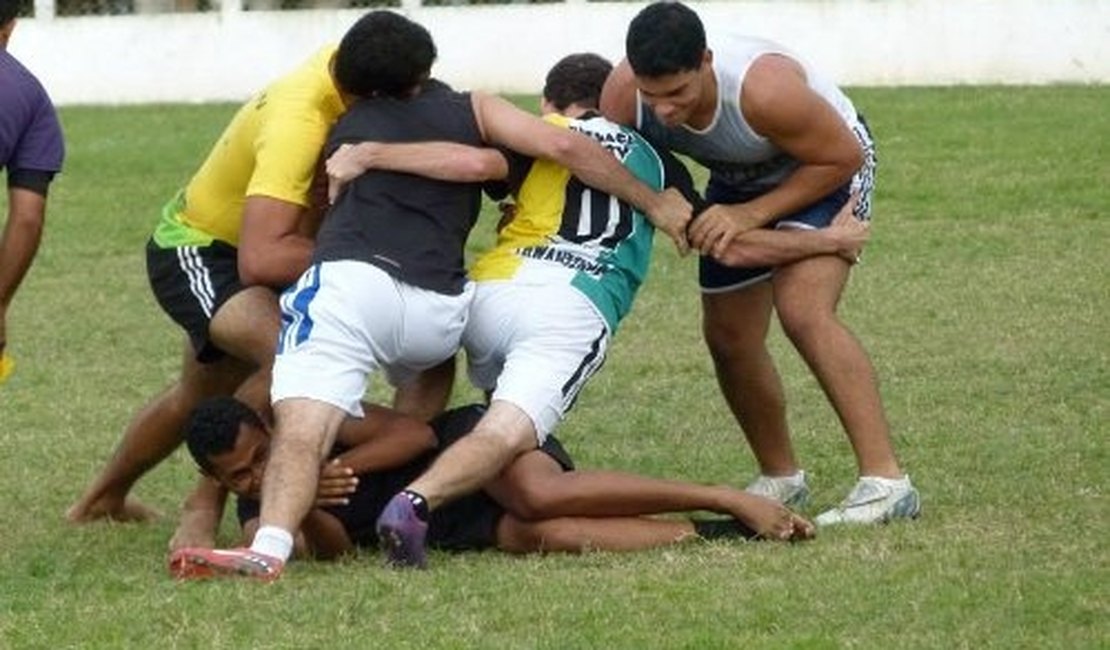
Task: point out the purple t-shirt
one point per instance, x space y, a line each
30 135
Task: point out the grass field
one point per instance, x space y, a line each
983 298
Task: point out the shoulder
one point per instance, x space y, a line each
773 82
20 85
618 96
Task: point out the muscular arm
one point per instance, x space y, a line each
200 515
273 250
446 161
779 105
22 233
509 126
618 96
845 236
383 439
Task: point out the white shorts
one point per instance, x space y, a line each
534 346
344 320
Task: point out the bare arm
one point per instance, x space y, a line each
384 439
273 250
780 106
618 96
22 234
845 236
200 515
446 161
505 124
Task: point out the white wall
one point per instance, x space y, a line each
226 56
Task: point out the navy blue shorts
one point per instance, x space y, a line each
717 278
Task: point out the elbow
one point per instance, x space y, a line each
490 165
739 255
253 269
852 163
563 146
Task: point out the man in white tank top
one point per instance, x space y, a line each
786 150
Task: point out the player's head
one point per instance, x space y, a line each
665 38
384 54
666 50
9 9
576 80
230 443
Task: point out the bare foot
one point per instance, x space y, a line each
128 510
769 518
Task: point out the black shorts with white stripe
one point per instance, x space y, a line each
190 283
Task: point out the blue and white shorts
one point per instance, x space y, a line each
344 320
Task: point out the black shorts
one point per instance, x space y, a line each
191 283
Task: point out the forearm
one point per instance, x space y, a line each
764 247
21 238
279 263
808 184
383 454
446 161
200 515
381 440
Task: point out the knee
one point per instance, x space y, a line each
552 535
529 500
516 536
803 324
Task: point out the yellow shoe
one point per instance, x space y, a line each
7 365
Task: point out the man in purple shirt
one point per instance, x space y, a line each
31 149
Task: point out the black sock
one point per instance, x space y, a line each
419 504
722 528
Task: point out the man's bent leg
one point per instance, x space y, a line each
806 296
503 433
535 488
735 326
427 396
305 432
580 534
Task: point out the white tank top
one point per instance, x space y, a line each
736 155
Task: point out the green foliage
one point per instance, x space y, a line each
982 298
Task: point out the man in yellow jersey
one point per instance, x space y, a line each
241 229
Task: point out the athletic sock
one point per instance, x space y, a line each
722 528
273 541
419 504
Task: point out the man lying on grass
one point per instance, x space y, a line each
525 510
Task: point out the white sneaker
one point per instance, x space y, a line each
875 500
791 491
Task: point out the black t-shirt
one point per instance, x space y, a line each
455 525
412 227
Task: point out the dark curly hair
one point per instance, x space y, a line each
665 38
213 428
384 53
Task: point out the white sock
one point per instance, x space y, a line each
273 541
902 482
